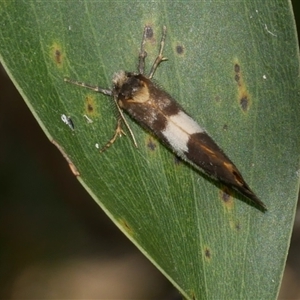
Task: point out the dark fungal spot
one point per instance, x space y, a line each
151 144
243 98
225 127
207 253
237 77
217 98
179 49
237 68
57 55
244 103
225 194
90 107
226 197
238 226
126 226
149 32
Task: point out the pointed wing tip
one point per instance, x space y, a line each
260 204
251 196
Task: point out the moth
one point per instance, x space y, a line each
157 111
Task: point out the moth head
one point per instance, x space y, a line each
128 86
119 79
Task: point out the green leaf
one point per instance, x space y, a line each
233 65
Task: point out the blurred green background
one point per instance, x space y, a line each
55 240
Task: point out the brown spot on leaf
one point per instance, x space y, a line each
151 144
57 54
149 32
237 68
90 106
179 49
235 224
217 98
124 224
244 103
225 127
207 253
243 94
237 77
226 197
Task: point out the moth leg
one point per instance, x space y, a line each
121 116
118 132
143 53
160 56
106 92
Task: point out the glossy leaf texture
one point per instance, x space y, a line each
234 66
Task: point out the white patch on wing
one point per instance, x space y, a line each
186 123
178 131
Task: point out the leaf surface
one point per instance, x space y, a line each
234 66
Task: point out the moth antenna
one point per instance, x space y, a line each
160 56
143 53
106 92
